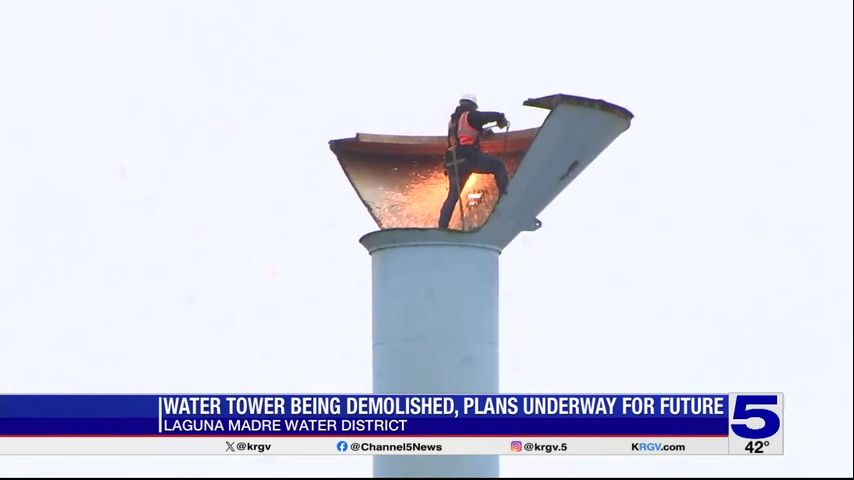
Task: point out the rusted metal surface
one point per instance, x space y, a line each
402 180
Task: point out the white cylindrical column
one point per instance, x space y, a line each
435 330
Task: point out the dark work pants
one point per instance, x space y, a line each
476 162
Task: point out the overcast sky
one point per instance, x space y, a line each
172 219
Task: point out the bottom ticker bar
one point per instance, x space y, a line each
712 445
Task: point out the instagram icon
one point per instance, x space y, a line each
516 446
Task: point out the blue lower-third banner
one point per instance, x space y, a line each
627 424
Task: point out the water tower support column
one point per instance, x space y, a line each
435 330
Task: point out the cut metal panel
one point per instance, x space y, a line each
572 136
550 102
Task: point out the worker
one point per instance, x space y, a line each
464 156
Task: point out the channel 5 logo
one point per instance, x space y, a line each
515 446
761 407
756 423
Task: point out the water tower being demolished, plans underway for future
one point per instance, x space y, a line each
435 291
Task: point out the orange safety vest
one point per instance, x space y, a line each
465 133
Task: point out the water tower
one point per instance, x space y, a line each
435 292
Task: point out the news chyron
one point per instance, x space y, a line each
365 424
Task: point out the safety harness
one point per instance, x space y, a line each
460 133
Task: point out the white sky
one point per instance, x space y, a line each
172 220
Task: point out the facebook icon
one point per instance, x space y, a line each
342 446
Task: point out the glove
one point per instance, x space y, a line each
503 123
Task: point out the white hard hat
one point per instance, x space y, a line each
470 97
